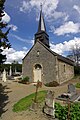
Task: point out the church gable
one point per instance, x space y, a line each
38 50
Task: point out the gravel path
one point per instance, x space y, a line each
14 91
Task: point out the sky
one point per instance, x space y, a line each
62 19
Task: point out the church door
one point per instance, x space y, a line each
37 72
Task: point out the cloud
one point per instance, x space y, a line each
22 39
25 6
6 18
24 48
60 48
77 8
13 27
68 27
48 6
13 54
65 46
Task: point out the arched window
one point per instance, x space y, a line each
38 66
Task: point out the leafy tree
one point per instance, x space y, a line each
4 43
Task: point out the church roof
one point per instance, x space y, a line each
60 57
41 26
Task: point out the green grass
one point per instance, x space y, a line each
26 102
77 85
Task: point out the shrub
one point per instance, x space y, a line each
26 79
52 84
61 112
77 70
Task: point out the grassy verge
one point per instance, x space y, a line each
77 85
26 102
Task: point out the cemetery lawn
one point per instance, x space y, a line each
26 102
77 85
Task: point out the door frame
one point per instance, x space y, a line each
41 70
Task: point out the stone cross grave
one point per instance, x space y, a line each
49 104
4 76
34 105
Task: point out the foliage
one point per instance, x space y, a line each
26 79
77 70
62 111
77 85
7 67
26 102
52 84
4 43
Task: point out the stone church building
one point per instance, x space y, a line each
42 64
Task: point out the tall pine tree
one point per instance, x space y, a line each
4 42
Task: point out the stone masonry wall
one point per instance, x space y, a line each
45 59
65 72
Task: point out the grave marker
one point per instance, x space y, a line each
49 104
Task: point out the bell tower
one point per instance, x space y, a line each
41 33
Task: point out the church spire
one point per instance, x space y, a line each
41 26
41 34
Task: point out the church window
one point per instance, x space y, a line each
64 68
38 66
38 52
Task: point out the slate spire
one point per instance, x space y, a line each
41 26
41 34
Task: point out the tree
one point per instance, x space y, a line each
75 54
4 43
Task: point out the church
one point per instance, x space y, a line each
43 64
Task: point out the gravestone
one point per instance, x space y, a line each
4 76
71 94
10 71
71 88
49 104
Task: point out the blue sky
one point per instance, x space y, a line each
62 19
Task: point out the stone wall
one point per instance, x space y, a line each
45 59
65 72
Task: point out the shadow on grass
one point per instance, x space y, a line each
3 98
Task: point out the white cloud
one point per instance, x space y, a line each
68 27
12 55
77 8
22 39
48 6
65 46
13 27
6 18
25 6
24 48
57 15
